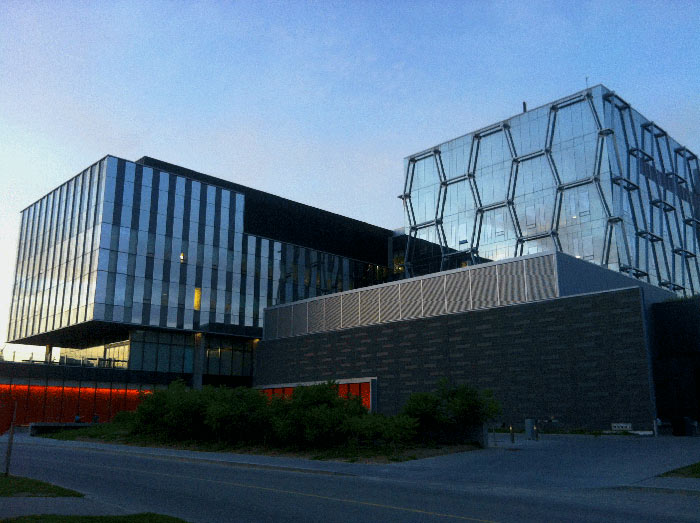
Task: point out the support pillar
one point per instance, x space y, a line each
198 363
47 354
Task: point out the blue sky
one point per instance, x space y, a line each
314 101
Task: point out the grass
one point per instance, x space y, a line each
146 517
114 432
119 433
691 471
15 486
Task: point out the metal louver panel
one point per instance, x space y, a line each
457 291
540 278
369 307
484 287
270 324
511 283
333 313
389 303
411 306
299 319
316 316
434 296
284 322
351 310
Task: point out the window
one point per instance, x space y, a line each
197 298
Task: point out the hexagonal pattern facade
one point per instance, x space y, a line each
587 175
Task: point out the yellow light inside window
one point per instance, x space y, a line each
197 298
182 257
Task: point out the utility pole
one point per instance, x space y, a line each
11 437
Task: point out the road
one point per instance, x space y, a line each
203 487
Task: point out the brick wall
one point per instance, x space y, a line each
580 359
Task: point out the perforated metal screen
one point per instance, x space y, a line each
480 287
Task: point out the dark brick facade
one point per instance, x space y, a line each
581 359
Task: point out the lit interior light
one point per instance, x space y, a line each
182 255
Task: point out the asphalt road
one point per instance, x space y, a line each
198 487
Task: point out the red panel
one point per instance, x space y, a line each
343 390
6 406
54 399
365 394
70 404
35 403
118 399
102 406
354 389
268 393
86 405
133 398
20 394
287 392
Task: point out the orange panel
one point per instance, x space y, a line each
365 394
118 401
354 389
20 394
343 390
35 404
6 407
70 404
102 405
54 399
86 405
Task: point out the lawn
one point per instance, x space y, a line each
15 486
691 471
146 517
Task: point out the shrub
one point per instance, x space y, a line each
239 415
372 430
428 411
313 417
175 414
449 415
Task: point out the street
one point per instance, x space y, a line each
214 487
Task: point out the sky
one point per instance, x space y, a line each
318 102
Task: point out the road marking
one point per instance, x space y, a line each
305 494
318 496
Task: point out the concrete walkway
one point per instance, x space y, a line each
562 463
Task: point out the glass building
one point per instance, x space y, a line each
148 266
587 175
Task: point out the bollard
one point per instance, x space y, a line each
512 435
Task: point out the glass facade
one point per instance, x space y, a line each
57 257
129 244
586 175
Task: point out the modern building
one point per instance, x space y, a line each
537 259
164 272
541 253
586 175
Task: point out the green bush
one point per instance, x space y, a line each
429 412
237 416
175 414
376 430
450 415
313 417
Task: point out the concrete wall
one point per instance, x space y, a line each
581 359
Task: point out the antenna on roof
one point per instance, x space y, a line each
586 82
524 107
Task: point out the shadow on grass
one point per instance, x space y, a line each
15 486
